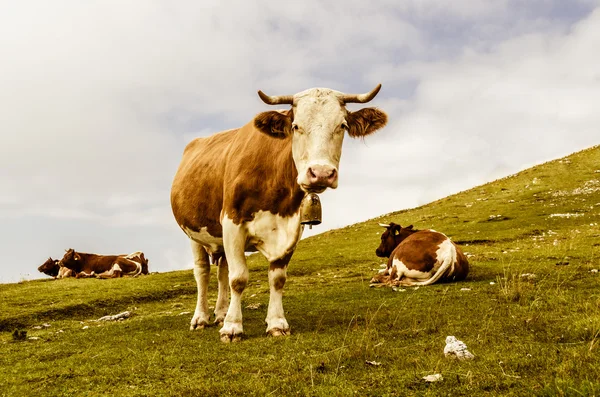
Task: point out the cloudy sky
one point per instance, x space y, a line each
99 98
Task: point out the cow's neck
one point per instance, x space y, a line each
400 238
264 177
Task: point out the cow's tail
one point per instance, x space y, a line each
135 257
446 267
138 269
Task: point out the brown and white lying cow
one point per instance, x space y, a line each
419 257
104 266
241 190
52 268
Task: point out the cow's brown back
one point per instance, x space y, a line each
197 191
418 251
96 263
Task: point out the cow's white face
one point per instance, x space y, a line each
318 131
317 123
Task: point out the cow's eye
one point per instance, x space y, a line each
345 126
294 127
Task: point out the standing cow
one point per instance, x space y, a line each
240 190
419 257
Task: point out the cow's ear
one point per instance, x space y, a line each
396 229
274 123
409 227
77 257
365 121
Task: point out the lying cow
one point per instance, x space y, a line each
52 268
419 257
104 266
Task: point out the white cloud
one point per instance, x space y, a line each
479 117
99 99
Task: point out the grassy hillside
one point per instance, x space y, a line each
529 311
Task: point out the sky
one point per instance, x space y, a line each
99 98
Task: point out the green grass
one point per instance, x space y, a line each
530 336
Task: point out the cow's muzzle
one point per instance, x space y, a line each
320 177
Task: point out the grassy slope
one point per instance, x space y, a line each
537 335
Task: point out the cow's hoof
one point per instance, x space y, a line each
198 323
219 322
278 332
229 338
231 332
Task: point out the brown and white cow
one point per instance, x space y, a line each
419 257
52 268
103 266
240 190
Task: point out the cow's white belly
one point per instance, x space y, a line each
274 236
211 243
403 271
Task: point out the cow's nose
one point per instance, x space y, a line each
322 175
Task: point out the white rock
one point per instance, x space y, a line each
125 314
456 348
528 275
433 378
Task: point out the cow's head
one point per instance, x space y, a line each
71 260
50 267
394 234
317 123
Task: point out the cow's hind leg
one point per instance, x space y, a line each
222 298
201 274
277 325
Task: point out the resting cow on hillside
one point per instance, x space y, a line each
241 190
104 266
52 268
419 257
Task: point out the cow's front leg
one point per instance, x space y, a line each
234 242
201 274
277 325
85 275
114 272
221 305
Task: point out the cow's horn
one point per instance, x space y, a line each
360 98
276 100
384 225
